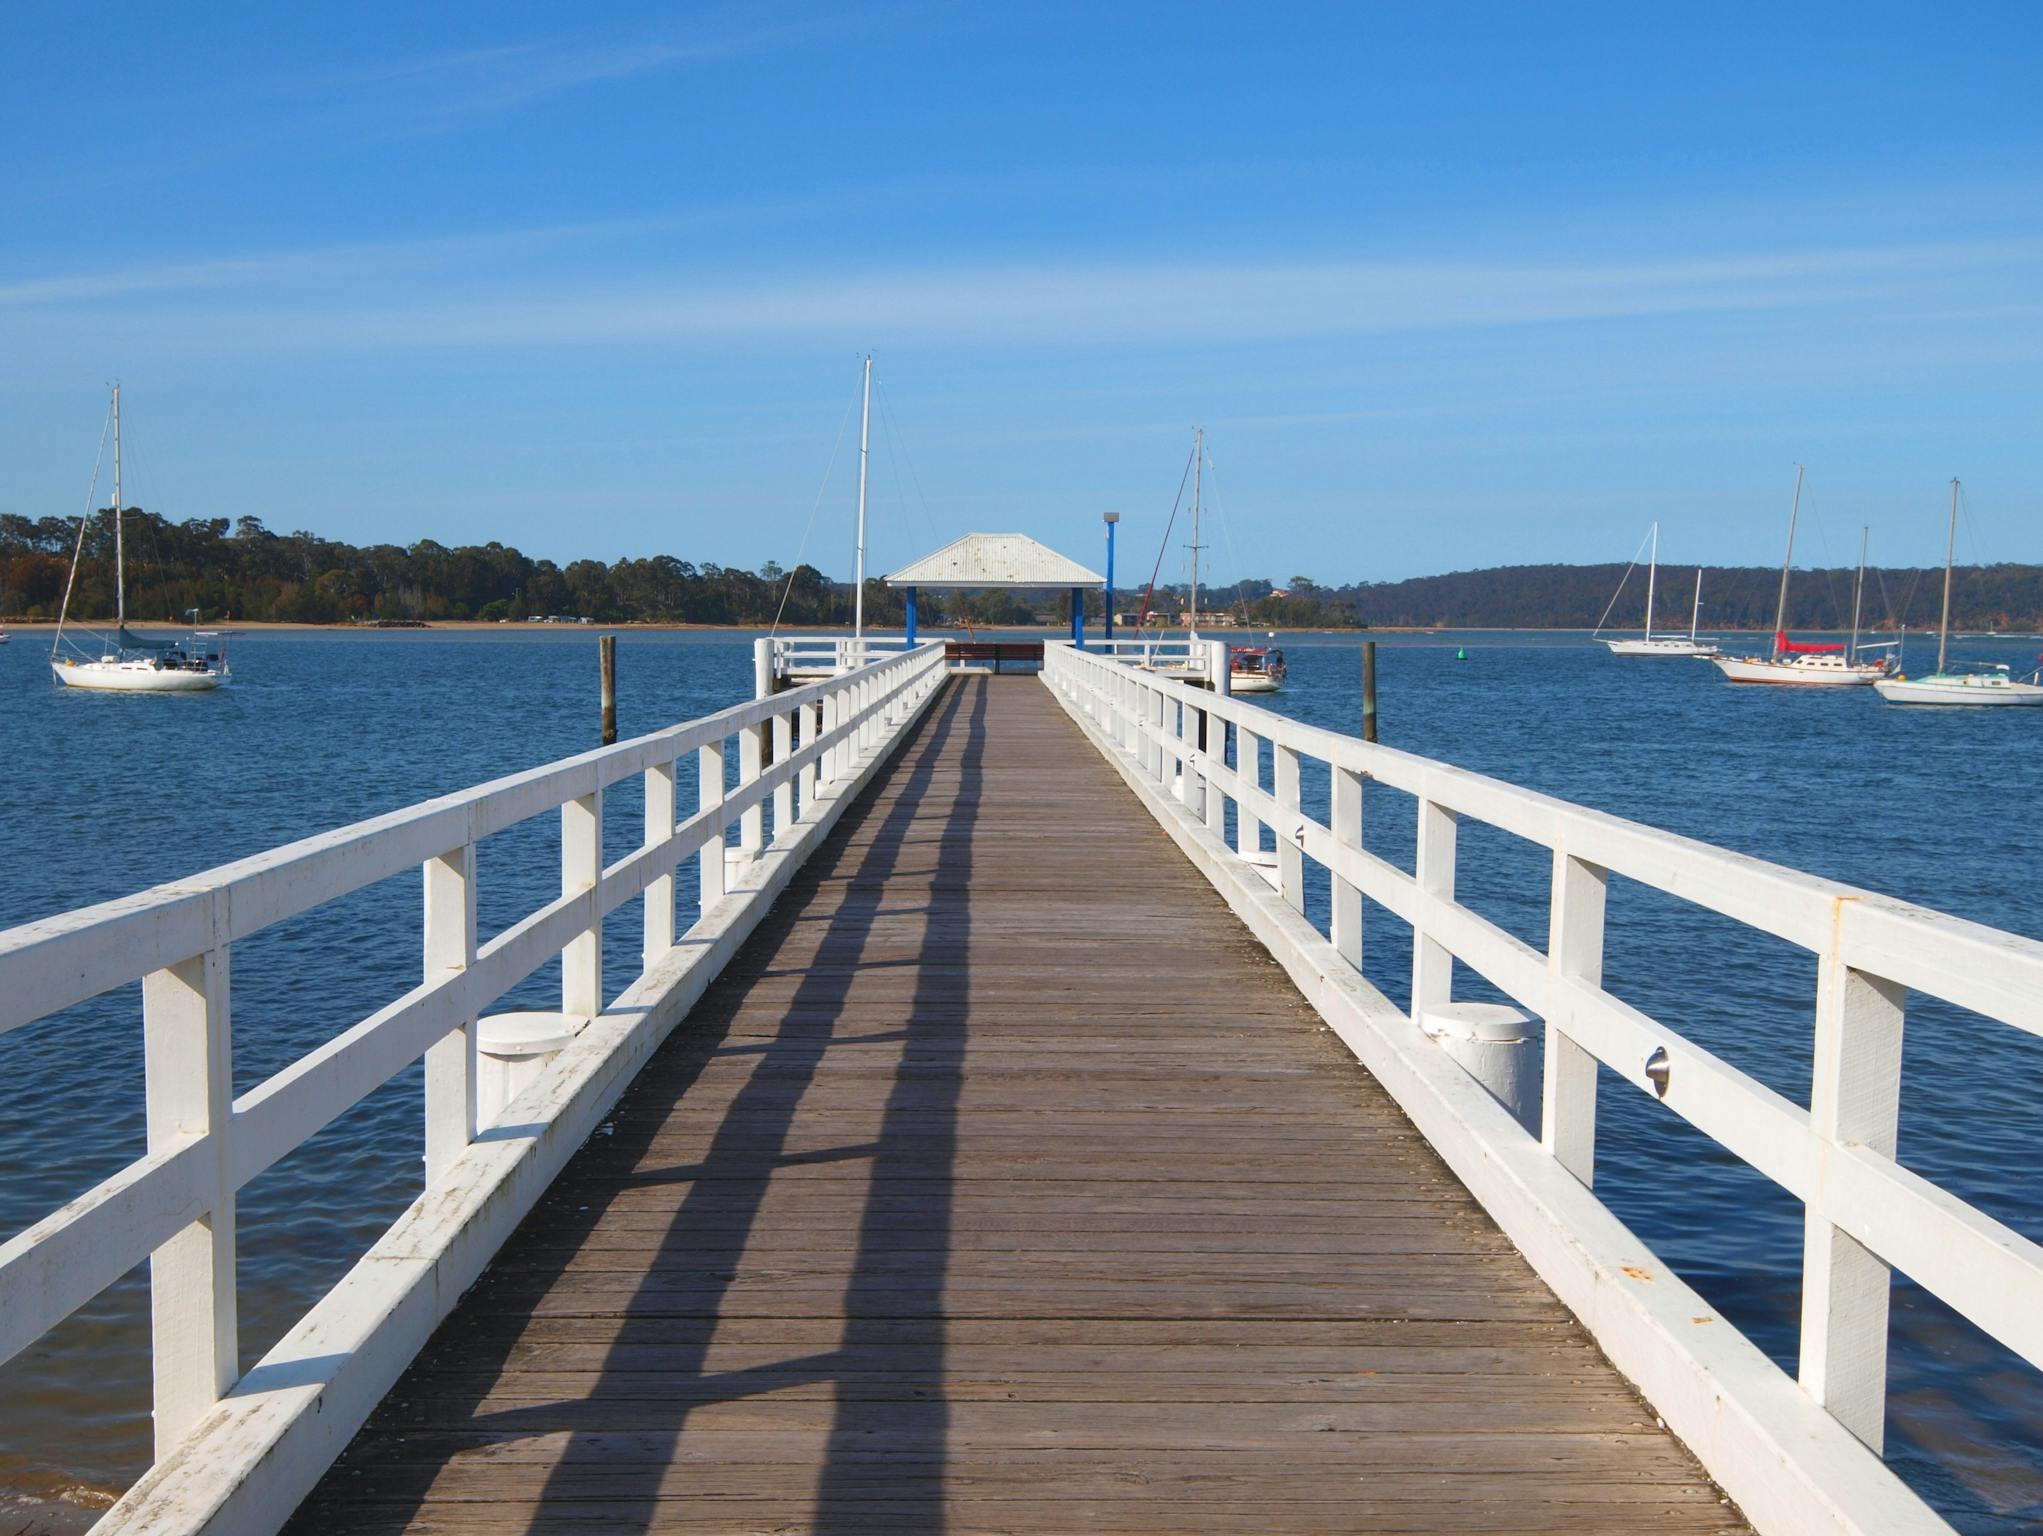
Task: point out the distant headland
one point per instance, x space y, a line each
245 571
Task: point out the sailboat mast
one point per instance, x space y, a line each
1652 575
1696 613
1780 612
120 547
1858 592
1198 472
1950 550
865 433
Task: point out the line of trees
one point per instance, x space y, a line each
2008 597
252 573
245 571
1735 597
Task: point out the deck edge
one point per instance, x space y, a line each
1790 1467
246 1468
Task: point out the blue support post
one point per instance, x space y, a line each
911 615
1078 617
1113 520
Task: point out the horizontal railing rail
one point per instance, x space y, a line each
1181 654
175 1205
1866 1214
828 655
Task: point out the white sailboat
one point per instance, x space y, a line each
127 663
1983 684
1250 669
1648 643
1797 663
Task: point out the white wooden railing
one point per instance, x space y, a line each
808 656
1178 655
175 1205
1866 1214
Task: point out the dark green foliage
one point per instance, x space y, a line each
1572 597
254 574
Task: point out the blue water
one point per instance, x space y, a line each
106 794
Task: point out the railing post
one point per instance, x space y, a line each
450 1060
1854 1100
783 792
1574 952
1216 752
709 791
187 1060
581 867
1432 961
1290 852
1248 768
751 759
826 722
1345 813
662 809
812 730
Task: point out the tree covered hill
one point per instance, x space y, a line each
248 572
1575 596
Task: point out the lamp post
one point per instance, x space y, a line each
1110 518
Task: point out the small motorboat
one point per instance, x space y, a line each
1255 669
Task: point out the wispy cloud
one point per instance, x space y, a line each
445 90
510 290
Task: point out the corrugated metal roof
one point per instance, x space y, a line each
995 560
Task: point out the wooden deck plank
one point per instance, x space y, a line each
1002 1183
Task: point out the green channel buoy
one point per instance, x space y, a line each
1460 653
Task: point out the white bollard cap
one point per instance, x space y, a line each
1483 1023
517 1036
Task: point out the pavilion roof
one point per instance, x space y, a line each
995 560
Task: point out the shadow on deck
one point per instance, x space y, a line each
1003 1183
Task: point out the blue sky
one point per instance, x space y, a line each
1449 285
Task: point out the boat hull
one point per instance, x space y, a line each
1252 682
1800 672
1660 648
1958 692
103 677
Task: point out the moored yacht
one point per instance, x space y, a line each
1982 684
126 662
1806 664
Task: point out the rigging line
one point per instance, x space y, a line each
1969 523
84 518
1142 617
1825 569
1627 576
821 490
897 445
899 441
1227 533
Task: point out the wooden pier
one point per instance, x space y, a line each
997 1137
1002 1182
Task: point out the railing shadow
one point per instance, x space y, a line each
656 1372
892 1429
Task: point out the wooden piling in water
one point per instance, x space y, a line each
606 649
1369 690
